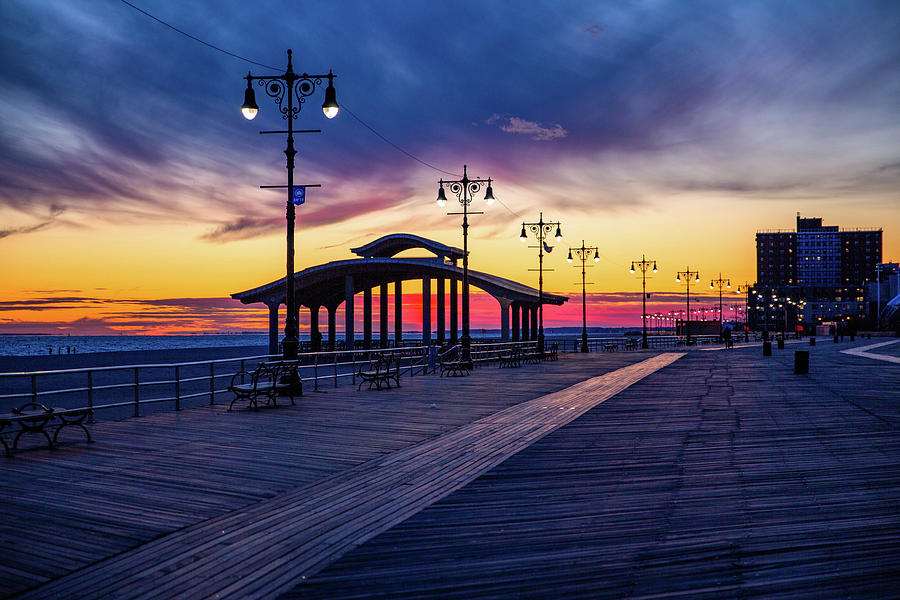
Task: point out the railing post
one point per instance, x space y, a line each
316 371
334 362
177 387
33 387
90 375
137 400
212 383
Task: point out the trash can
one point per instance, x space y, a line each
812 341
801 361
781 343
767 348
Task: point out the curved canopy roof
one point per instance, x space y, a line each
391 245
324 285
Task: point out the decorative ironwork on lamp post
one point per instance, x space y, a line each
687 275
465 189
583 253
541 230
644 265
288 89
721 284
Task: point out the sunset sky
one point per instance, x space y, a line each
129 181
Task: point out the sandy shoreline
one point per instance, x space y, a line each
15 364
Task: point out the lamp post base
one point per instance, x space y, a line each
465 344
289 348
540 341
584 344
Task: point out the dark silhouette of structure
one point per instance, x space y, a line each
332 284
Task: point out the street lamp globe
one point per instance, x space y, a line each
441 197
330 106
596 258
569 258
489 194
558 234
249 108
523 237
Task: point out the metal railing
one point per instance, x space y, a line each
105 388
129 390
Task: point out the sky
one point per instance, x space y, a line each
675 130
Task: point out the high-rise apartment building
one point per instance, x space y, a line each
816 273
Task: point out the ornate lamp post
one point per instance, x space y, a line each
643 265
687 275
541 231
583 254
745 290
465 189
290 91
721 284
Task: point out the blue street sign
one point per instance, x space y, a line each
299 195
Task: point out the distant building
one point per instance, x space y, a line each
815 274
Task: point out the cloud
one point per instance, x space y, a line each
242 229
537 131
54 212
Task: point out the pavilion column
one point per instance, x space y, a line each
534 321
273 326
504 319
454 314
383 315
332 326
426 311
516 330
315 338
441 333
398 313
367 317
525 323
348 312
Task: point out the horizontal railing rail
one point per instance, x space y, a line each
134 388
138 386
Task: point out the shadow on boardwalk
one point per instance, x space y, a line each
150 476
721 475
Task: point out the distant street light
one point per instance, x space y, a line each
745 290
583 254
721 284
643 265
687 275
464 189
541 230
287 89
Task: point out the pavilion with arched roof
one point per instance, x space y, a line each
331 284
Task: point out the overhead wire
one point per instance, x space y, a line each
239 57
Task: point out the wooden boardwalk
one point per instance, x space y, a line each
723 476
149 477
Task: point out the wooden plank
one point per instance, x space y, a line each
270 544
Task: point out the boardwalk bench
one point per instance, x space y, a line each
552 352
610 347
511 359
37 418
379 372
286 381
455 367
267 381
631 344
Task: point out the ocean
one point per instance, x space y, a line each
45 345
